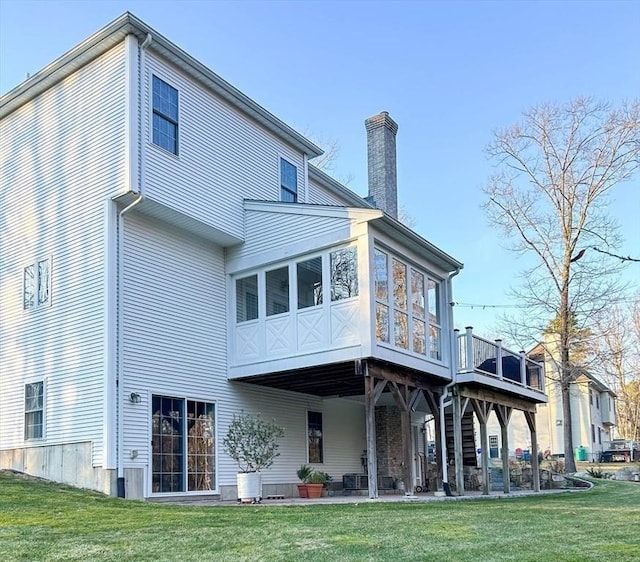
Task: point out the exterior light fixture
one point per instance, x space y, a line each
135 398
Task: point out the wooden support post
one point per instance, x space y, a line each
457 444
372 460
503 413
535 469
484 457
405 418
482 410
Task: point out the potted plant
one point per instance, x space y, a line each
303 473
252 443
315 482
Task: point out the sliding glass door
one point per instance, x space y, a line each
183 445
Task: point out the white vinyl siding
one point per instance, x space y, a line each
224 156
61 157
321 196
175 345
265 232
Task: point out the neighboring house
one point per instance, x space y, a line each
169 258
592 413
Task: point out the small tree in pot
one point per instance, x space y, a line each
252 443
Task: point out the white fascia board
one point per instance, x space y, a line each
404 235
114 33
333 211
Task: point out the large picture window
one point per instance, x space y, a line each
183 445
407 306
165 115
34 410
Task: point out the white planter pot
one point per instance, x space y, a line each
249 486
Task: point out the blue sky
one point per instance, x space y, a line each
450 73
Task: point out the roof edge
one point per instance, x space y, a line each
114 32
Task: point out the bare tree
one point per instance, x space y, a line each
549 196
617 352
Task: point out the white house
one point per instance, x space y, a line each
592 413
169 257
592 416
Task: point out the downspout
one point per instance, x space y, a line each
446 394
119 277
120 377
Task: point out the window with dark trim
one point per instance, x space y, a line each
314 432
165 115
288 182
34 410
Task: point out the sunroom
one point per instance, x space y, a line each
317 285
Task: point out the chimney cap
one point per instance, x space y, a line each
381 120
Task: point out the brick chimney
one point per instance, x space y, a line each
381 156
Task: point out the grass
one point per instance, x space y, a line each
44 521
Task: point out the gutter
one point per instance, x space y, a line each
120 350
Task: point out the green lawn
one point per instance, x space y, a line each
43 521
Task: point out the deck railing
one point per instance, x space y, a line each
479 355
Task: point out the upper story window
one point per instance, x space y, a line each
407 306
34 410
288 182
36 287
165 115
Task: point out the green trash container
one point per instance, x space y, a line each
581 453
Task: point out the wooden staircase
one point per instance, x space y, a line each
468 440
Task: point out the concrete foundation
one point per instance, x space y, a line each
68 464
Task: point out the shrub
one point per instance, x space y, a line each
595 472
252 442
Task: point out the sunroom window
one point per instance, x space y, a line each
408 315
277 284
297 284
309 282
247 298
344 273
